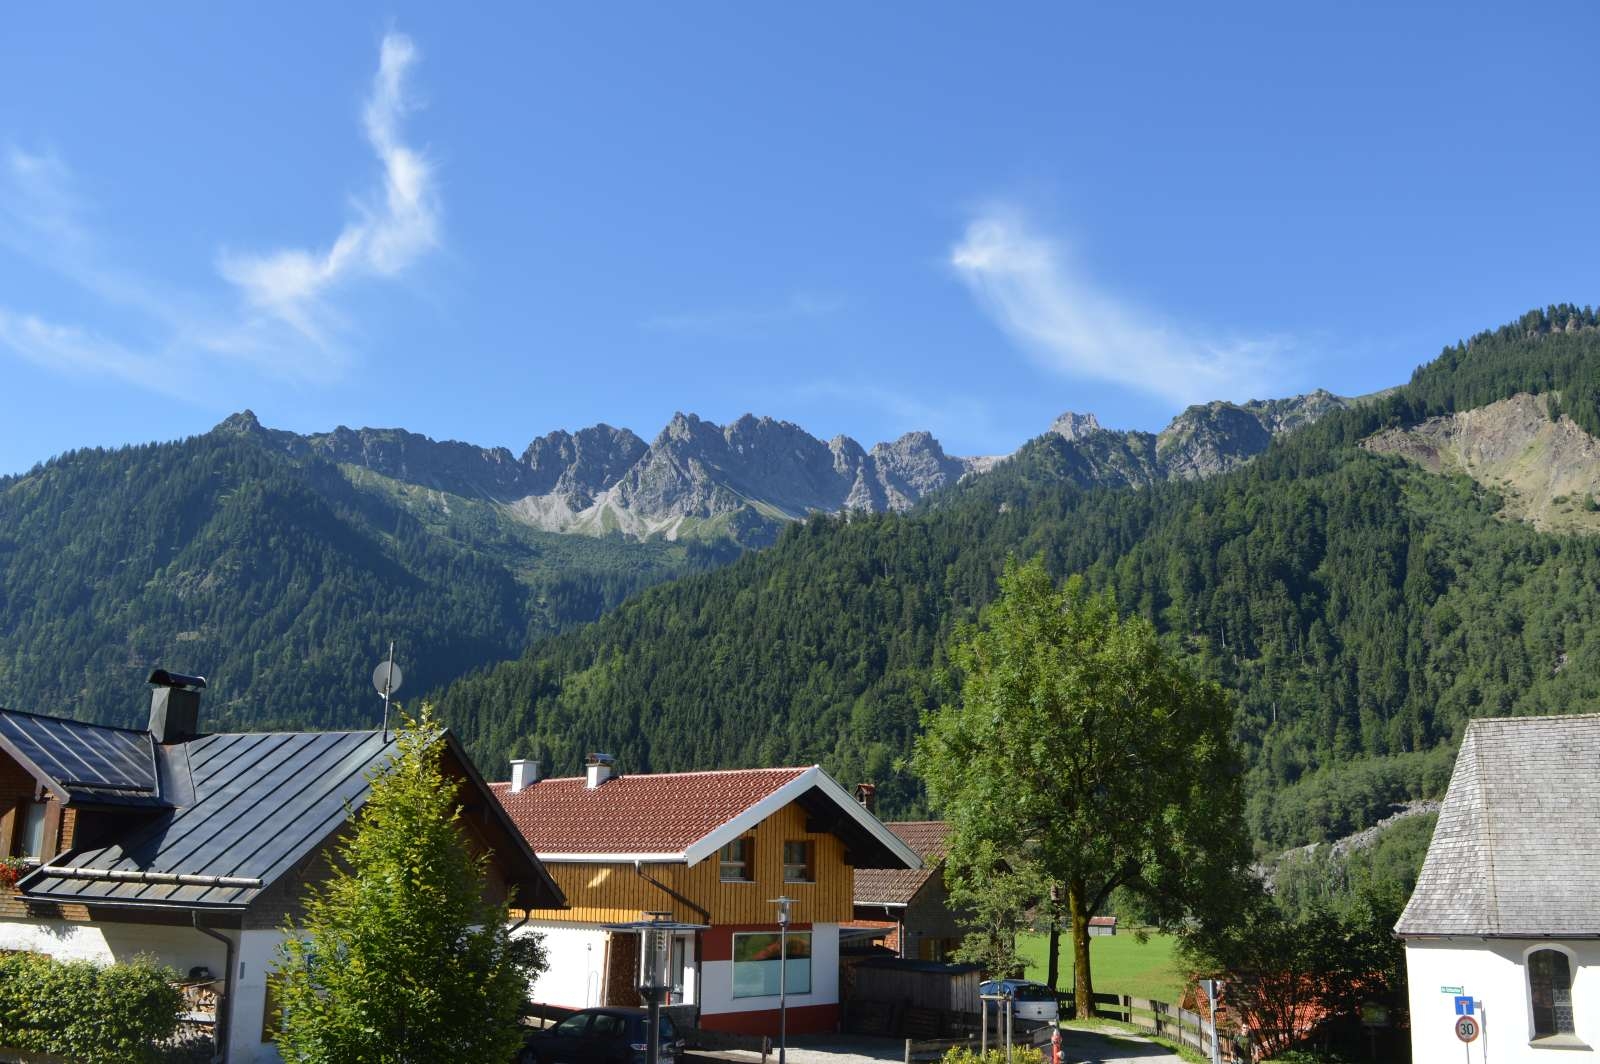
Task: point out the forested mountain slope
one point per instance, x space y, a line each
1362 607
280 577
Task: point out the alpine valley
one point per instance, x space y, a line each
1366 574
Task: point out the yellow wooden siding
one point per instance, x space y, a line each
614 893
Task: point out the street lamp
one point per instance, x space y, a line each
783 904
655 954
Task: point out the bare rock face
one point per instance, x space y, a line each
1206 440
1202 441
746 478
1075 427
577 466
1547 472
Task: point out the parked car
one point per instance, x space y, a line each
1030 1001
611 1035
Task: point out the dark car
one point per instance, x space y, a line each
600 1036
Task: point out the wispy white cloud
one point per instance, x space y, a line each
1026 282
390 232
290 327
66 347
747 321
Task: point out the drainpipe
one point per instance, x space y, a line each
224 1006
705 916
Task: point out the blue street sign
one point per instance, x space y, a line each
1464 1006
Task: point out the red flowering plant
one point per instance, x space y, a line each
11 870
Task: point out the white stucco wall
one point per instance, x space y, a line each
1493 971
178 946
576 956
256 956
717 979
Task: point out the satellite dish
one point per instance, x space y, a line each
387 678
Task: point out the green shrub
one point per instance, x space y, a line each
96 1014
1305 1056
1019 1055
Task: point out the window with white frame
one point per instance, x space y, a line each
756 964
1550 988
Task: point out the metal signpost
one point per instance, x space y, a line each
1211 1007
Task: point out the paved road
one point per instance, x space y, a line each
1077 1047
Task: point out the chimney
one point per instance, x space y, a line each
523 773
174 706
867 795
599 768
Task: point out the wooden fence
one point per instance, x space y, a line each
1169 1021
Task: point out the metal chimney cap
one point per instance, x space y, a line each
163 678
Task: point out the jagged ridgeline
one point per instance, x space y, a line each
281 574
1361 606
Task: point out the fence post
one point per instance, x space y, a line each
908 1051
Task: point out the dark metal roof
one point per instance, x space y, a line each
260 803
83 762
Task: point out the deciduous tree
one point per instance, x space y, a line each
1084 749
402 960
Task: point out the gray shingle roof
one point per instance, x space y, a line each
1516 853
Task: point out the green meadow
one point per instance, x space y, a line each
1122 964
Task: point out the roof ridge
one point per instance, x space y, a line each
1535 718
1487 838
72 720
663 775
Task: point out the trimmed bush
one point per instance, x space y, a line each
96 1014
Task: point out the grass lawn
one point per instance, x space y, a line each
1122 965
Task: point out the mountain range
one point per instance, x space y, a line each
746 479
1363 575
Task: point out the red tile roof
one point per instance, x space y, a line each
928 837
652 814
897 886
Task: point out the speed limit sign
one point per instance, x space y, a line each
1466 1028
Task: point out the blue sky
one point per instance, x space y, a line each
865 218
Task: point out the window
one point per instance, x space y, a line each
1550 986
756 964
30 839
572 1026
738 861
797 863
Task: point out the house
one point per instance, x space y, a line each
1100 926
910 908
711 849
1504 924
196 849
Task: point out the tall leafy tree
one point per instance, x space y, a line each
402 959
1081 748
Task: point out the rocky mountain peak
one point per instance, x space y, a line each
1075 426
244 423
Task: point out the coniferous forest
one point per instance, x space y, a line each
1360 609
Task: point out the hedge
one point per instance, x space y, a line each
96 1014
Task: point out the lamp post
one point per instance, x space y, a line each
655 952
783 904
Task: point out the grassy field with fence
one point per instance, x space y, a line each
1122 965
